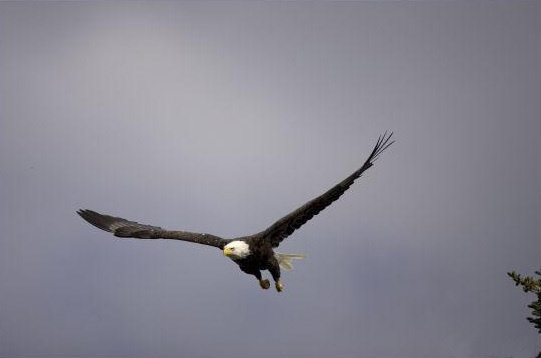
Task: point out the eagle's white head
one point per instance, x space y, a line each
237 250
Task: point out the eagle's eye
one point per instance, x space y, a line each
232 249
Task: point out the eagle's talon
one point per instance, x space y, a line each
279 286
265 284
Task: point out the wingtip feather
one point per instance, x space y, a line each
384 142
98 220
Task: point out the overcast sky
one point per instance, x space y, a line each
221 117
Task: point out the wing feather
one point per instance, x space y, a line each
285 226
131 229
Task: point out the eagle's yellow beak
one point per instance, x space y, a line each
227 251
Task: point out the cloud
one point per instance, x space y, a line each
223 117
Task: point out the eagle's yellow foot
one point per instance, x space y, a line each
265 284
279 286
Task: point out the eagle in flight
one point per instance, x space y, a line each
255 252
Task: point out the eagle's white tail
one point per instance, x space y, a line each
286 260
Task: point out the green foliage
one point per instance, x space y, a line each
530 284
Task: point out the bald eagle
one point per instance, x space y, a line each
252 253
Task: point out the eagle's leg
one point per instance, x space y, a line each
274 269
265 284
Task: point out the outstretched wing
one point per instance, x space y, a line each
291 222
124 228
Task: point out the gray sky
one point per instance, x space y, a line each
221 117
